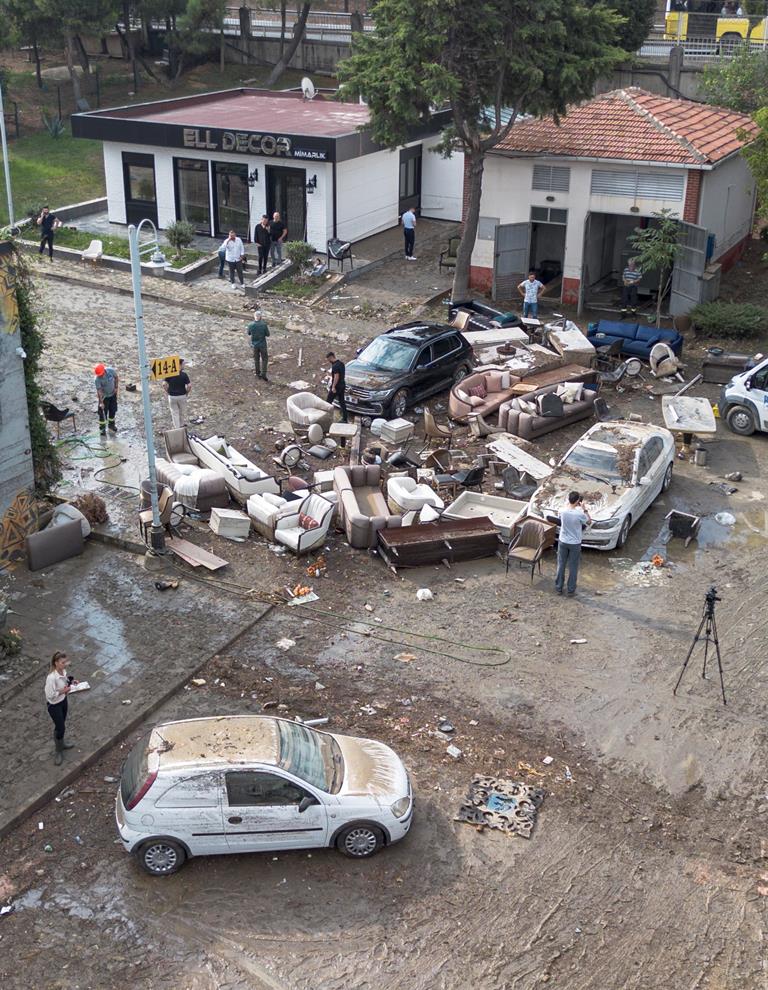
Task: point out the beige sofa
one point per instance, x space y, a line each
265 511
514 419
363 510
243 478
498 387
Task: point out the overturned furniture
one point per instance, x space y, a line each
683 525
242 477
405 495
54 544
58 416
198 489
363 510
503 512
447 540
306 409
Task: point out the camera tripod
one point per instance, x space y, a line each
709 626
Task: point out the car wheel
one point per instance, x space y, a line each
624 532
399 403
667 478
359 841
740 420
161 857
460 374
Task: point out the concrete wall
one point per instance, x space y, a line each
727 204
442 182
16 472
311 56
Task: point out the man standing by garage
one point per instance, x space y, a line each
630 279
409 233
336 391
572 523
530 290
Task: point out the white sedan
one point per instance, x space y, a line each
619 469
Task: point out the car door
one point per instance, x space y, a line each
424 372
648 464
261 811
758 393
444 354
190 809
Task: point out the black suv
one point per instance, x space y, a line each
404 365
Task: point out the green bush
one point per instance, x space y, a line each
180 234
725 319
299 252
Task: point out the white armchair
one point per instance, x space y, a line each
305 409
404 495
265 509
295 532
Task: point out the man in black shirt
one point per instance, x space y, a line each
263 239
336 391
278 233
177 388
47 222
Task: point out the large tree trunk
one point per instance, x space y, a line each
282 26
222 48
82 55
74 78
287 55
474 163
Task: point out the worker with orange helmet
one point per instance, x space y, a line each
106 390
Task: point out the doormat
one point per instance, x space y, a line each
507 805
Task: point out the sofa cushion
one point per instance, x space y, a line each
276 500
493 382
475 401
570 392
461 394
628 331
307 522
479 390
550 404
527 407
506 379
636 348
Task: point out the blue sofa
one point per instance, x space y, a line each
636 339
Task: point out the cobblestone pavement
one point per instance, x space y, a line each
132 643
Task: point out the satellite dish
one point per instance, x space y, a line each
308 88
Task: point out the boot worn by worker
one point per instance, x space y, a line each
59 752
112 427
67 745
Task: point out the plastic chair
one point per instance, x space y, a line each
449 256
55 415
94 251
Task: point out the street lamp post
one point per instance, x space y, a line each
6 166
157 260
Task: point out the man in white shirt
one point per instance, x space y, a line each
530 290
233 255
572 523
409 233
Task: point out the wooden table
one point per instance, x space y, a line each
444 541
688 414
344 431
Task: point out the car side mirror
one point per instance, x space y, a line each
306 802
645 480
358 352
748 384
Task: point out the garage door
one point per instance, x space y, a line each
688 270
511 256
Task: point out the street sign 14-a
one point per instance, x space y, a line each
164 367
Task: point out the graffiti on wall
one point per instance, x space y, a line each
21 518
9 309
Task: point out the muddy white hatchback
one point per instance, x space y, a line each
235 784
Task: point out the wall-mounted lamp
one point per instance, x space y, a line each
550 199
253 178
634 209
312 184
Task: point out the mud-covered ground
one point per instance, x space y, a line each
646 869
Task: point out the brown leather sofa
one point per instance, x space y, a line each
513 419
363 509
498 387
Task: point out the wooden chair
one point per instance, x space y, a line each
449 255
165 508
58 416
527 545
434 432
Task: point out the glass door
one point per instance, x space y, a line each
230 199
192 193
139 184
410 180
287 195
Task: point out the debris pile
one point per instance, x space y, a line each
495 802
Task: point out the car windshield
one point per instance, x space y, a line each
596 462
311 756
388 354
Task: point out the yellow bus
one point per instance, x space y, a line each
727 31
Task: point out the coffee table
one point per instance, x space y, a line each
688 414
343 431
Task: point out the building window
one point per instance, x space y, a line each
193 202
638 185
546 214
551 178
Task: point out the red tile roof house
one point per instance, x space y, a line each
564 199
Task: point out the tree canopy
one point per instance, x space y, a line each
638 20
740 83
480 58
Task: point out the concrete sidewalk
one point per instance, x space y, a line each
135 645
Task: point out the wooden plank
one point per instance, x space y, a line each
194 555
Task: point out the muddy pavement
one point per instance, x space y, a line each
621 886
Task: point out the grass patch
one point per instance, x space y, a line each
56 171
118 247
294 288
